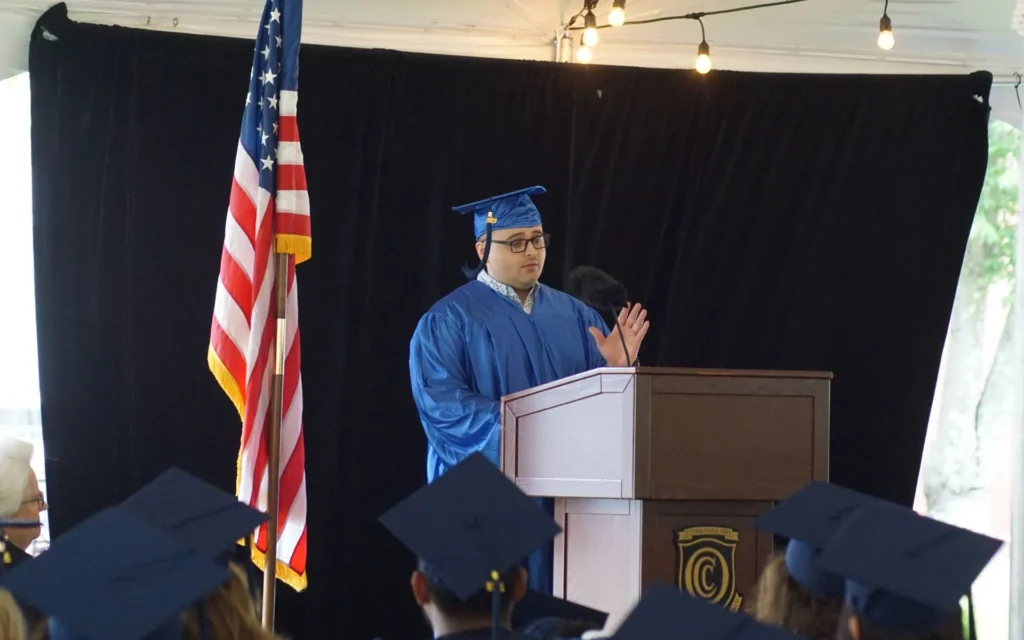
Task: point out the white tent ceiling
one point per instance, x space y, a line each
817 36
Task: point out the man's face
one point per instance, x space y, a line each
510 261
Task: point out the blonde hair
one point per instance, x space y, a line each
12 622
15 470
230 612
781 602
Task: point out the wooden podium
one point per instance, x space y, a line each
658 474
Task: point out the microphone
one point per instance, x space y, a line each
600 292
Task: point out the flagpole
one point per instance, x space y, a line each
274 439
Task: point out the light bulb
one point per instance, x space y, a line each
584 54
617 16
703 58
590 37
886 40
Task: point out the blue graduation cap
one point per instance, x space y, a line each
514 210
810 518
665 612
205 518
116 578
470 527
906 572
537 606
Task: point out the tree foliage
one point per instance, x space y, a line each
995 222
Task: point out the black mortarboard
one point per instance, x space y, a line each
536 605
115 577
665 612
471 525
906 572
204 517
810 518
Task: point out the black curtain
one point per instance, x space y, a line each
768 221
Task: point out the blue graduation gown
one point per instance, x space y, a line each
475 346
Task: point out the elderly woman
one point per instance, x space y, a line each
20 498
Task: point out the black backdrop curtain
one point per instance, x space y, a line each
768 221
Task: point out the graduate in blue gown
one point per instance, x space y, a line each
500 333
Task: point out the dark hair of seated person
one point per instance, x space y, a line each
477 604
949 629
552 628
780 601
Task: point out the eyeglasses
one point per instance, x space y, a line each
40 499
519 245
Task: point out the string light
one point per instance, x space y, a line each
617 16
703 52
584 54
590 36
886 41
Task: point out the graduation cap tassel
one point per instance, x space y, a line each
473 273
972 631
496 587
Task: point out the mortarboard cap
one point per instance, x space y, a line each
470 522
202 516
536 605
116 578
665 612
906 572
514 210
471 525
810 518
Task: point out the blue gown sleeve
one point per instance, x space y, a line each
457 420
591 318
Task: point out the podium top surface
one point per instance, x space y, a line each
674 371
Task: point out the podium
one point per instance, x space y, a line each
658 474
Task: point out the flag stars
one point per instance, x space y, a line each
278 38
275 128
268 164
264 138
273 102
275 16
266 52
269 77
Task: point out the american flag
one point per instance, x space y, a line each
268 211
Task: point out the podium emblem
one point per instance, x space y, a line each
707 564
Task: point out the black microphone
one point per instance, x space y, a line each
600 292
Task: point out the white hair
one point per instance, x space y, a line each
15 471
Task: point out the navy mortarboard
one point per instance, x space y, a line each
202 516
513 210
665 612
536 605
470 526
906 572
810 518
114 577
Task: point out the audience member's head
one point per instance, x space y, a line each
12 622
20 498
794 592
230 613
471 528
782 602
447 613
906 574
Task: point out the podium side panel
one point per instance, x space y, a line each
577 444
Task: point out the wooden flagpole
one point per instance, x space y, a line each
274 439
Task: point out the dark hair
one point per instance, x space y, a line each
558 628
780 601
951 629
477 604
